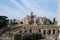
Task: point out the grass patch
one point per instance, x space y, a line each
13 27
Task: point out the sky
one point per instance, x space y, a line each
18 9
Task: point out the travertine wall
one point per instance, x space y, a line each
58 12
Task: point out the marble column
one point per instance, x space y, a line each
58 12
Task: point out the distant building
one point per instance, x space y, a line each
30 18
35 20
11 21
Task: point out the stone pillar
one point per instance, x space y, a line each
42 30
59 34
51 32
35 20
58 12
59 17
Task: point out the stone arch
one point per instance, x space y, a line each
53 31
25 31
39 30
49 32
30 30
20 31
44 31
24 28
58 31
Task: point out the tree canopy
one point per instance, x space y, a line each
3 21
47 22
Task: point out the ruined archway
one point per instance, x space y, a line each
58 31
30 30
39 30
49 32
53 31
44 31
25 31
20 31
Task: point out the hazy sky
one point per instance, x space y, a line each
20 8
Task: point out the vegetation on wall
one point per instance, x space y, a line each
28 36
47 22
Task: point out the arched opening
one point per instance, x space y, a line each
25 31
20 31
53 31
44 32
24 28
49 32
58 31
39 30
30 30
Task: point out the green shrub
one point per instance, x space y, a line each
17 37
28 36
36 36
32 36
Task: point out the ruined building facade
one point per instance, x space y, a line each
33 19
